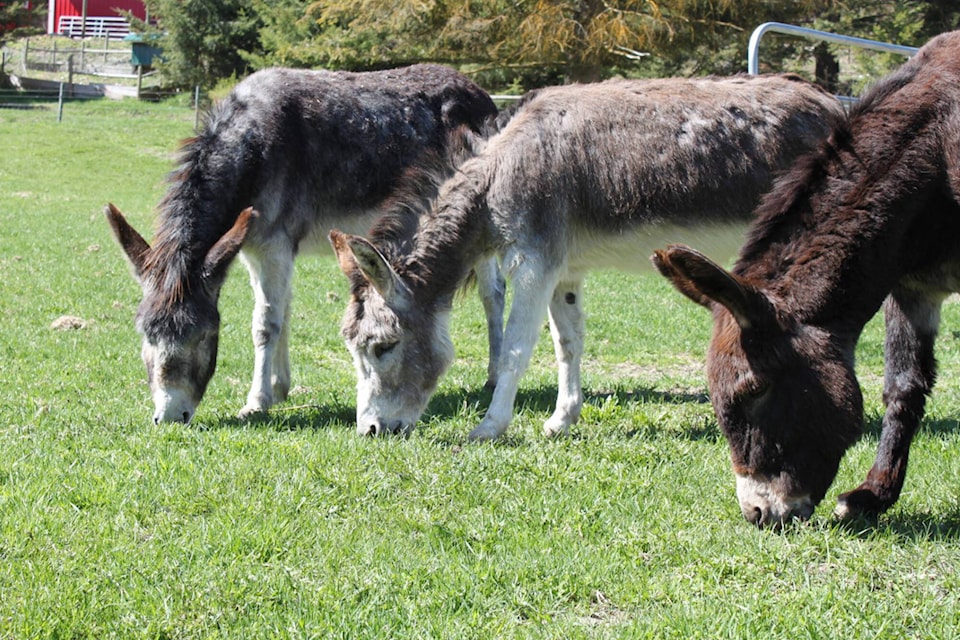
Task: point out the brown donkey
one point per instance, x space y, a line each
873 215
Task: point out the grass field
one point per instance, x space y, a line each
294 527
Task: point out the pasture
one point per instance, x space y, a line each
293 526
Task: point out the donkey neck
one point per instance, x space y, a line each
187 229
453 237
205 196
857 220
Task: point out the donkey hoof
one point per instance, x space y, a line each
486 431
861 502
251 411
555 429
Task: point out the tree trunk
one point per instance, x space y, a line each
827 68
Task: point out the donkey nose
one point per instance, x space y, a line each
160 417
754 516
381 428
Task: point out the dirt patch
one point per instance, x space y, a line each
69 323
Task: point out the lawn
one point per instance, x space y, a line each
292 526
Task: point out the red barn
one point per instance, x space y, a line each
104 17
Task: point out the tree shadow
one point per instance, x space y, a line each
912 527
873 426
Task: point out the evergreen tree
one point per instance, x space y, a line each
204 41
529 43
19 18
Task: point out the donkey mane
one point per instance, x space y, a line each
776 215
414 203
181 236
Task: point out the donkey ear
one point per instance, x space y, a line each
341 247
705 282
226 248
373 265
132 243
661 260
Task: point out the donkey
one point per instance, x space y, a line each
285 157
873 215
578 179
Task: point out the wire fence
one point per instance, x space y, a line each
47 70
51 73
58 97
100 57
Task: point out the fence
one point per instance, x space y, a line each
94 27
753 49
51 95
83 59
87 69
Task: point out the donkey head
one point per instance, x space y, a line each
178 316
400 346
784 392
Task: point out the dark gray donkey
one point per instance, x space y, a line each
579 178
285 157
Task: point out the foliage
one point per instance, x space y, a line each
203 40
547 39
525 43
19 19
909 22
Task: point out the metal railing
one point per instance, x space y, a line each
753 49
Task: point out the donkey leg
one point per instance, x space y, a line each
912 320
271 272
280 374
568 328
492 288
532 289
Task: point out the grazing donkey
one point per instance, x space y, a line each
873 215
578 179
285 157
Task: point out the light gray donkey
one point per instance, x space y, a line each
285 157
578 179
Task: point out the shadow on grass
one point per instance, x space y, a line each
451 403
907 526
873 426
289 418
544 398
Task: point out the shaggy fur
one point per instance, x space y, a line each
578 178
308 150
874 214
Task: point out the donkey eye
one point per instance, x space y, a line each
381 348
756 391
752 389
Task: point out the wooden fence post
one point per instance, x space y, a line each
70 72
60 105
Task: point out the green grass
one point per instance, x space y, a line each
295 527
